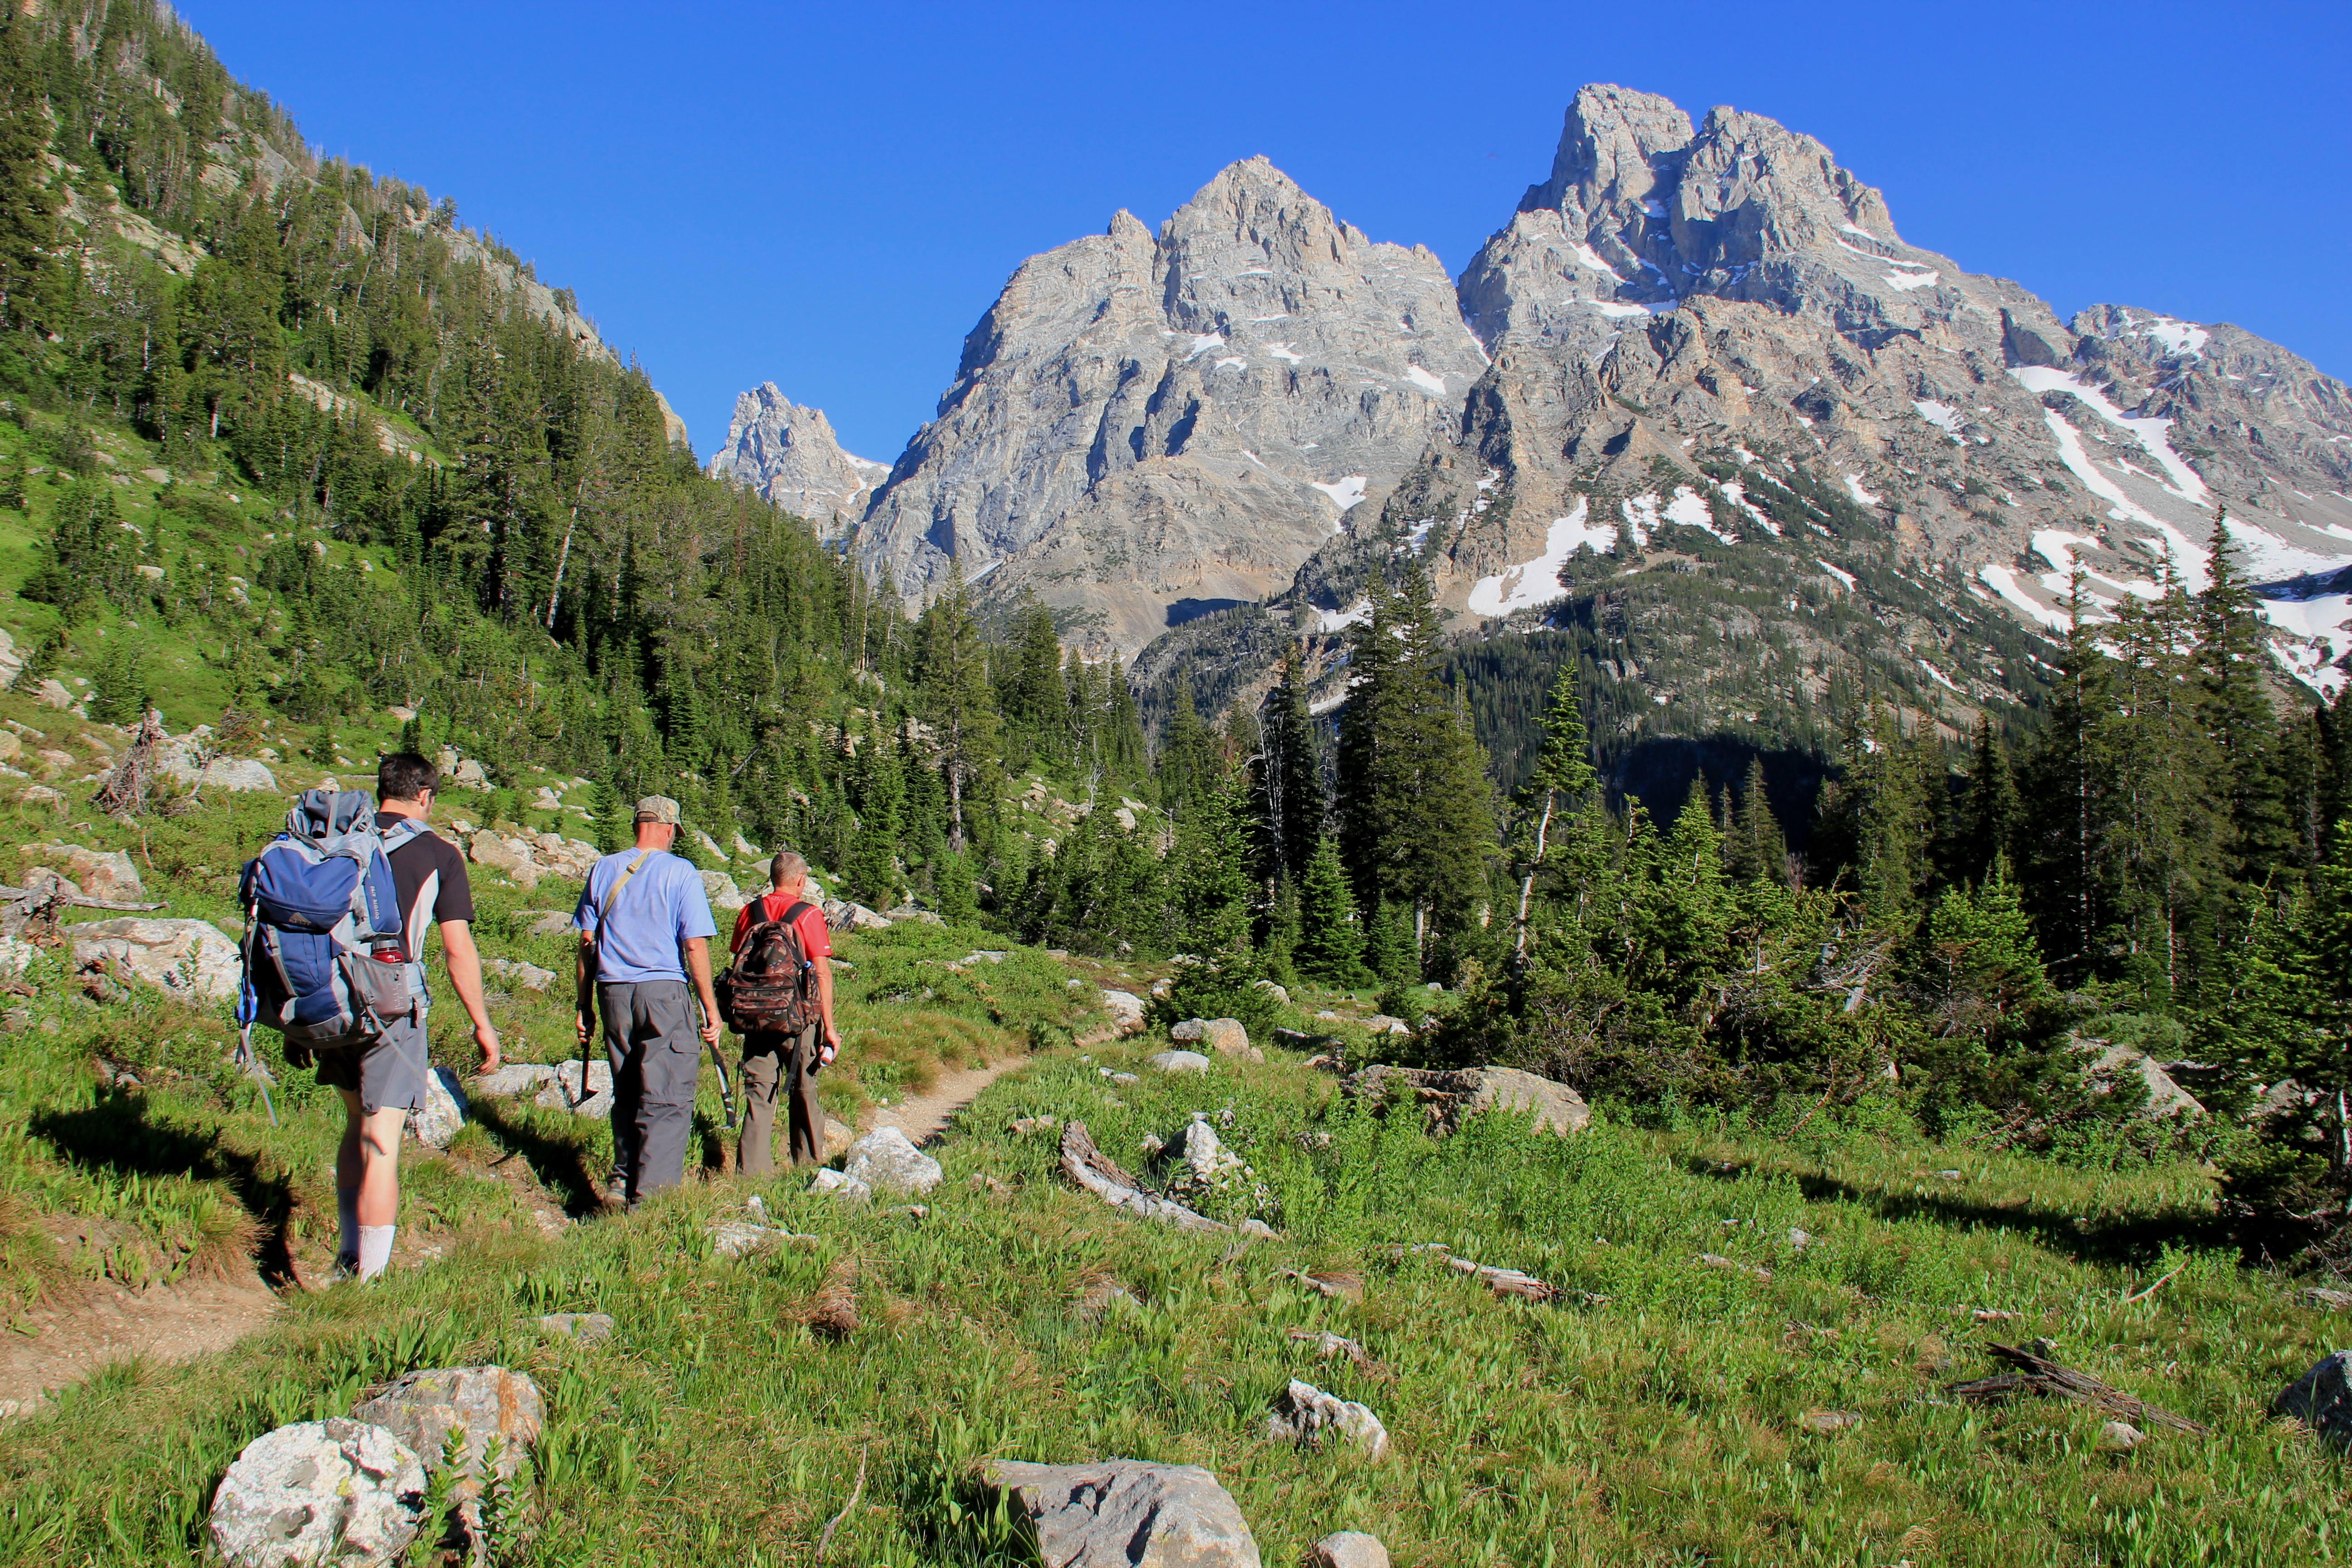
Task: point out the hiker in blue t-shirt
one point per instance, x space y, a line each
644 925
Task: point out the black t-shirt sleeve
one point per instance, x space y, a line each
455 901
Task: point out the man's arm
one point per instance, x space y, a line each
824 967
583 985
697 963
464 962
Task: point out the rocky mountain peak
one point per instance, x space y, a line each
1610 150
788 454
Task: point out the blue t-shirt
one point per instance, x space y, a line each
663 906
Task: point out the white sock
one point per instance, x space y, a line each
375 1249
347 1210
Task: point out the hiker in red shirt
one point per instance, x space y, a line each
775 1062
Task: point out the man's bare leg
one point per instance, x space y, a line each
367 1185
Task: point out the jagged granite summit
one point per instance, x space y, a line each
1148 426
1696 347
788 454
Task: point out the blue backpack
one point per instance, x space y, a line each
323 960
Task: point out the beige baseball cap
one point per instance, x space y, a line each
658 809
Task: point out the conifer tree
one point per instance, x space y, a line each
1293 805
1562 780
1187 767
1754 849
1390 951
870 869
1211 866
2232 657
1331 946
953 686
1990 812
27 224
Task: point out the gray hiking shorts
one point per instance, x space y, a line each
389 1074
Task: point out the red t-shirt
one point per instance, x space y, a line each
814 941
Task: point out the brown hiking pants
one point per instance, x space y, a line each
778 1065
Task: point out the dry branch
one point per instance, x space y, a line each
2038 1375
1095 1171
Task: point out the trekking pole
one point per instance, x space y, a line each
250 1066
726 1095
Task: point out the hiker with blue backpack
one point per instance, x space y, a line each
645 926
337 911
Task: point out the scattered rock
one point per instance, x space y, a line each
2165 1099
2120 1438
1099 1174
1347 1549
848 1189
175 759
1125 1010
1448 1098
734 1238
1122 1078
510 856
721 890
332 1491
187 958
568 857
1190 1030
1328 1344
1305 1414
42 794
2322 1399
1228 1038
1205 1169
911 912
588 1328
1799 1239
469 775
1381 1023
519 1077
886 1160
842 915
1163 988
526 976
477 1403
2324 1300
837 1139
554 922
1180 1061
563 1092
1714 1260
438 1120
1125 1513
1278 993
1023 1126
1826 1423
101 874
52 693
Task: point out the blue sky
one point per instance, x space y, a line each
829 197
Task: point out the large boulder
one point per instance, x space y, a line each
1125 1513
2166 1098
523 976
520 1078
497 852
886 1160
1447 1099
438 1121
842 915
563 1092
1178 1061
721 890
187 958
1305 1414
477 1403
1125 1010
568 858
332 1491
2322 1399
175 759
106 874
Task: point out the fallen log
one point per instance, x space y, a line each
68 900
1099 1174
2038 1375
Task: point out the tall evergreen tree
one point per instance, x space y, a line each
27 224
2233 661
1293 806
1754 850
953 690
1331 946
1562 780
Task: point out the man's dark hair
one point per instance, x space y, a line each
404 775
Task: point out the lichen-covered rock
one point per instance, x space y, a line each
107 874
721 890
477 1403
886 1160
1125 1513
1178 1061
438 1120
1125 1010
187 958
510 856
563 1091
525 976
1447 1099
517 1078
1306 1416
842 915
587 1327
1347 1549
336 1491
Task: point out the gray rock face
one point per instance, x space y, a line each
563 1090
1144 426
477 1403
332 1491
189 958
1125 1513
887 1161
107 874
2322 1399
789 455
1305 1414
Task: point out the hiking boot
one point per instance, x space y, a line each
345 1269
616 1195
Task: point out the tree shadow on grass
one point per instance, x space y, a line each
2131 1241
560 1165
121 1132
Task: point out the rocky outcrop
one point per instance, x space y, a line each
1305 1414
106 874
1145 427
886 1160
1125 1513
789 455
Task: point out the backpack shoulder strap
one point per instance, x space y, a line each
401 832
604 910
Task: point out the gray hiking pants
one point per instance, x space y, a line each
779 1066
650 1039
